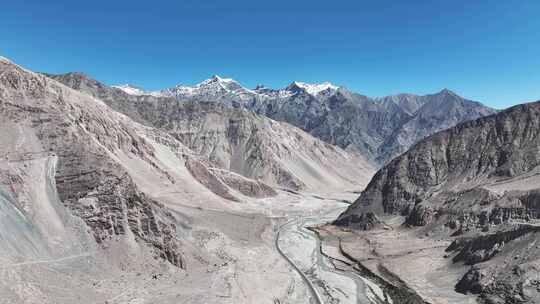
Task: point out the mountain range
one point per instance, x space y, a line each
235 139
98 207
376 128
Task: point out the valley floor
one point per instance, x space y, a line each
231 256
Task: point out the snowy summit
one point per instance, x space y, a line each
131 90
315 89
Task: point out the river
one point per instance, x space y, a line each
301 248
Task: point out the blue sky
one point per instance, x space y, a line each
484 50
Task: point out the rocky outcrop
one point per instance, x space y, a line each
209 180
421 215
504 266
244 185
235 140
219 181
363 221
262 149
504 145
481 248
84 136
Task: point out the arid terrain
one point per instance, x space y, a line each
456 217
197 195
97 208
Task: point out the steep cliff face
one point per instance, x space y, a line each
478 184
470 155
238 140
79 138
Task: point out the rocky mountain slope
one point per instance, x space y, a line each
236 139
62 158
478 185
97 208
379 129
79 153
429 114
257 147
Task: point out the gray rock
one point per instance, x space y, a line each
478 179
82 134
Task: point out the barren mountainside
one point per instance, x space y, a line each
98 208
138 182
432 113
67 144
378 129
477 184
238 140
470 155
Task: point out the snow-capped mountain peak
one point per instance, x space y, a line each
131 90
213 88
217 78
4 59
219 88
216 82
313 89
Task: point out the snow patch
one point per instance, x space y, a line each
219 79
136 91
129 89
314 89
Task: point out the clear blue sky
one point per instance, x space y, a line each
484 50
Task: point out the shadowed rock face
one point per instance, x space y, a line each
209 180
479 182
219 181
238 140
504 145
379 129
433 113
82 135
245 186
